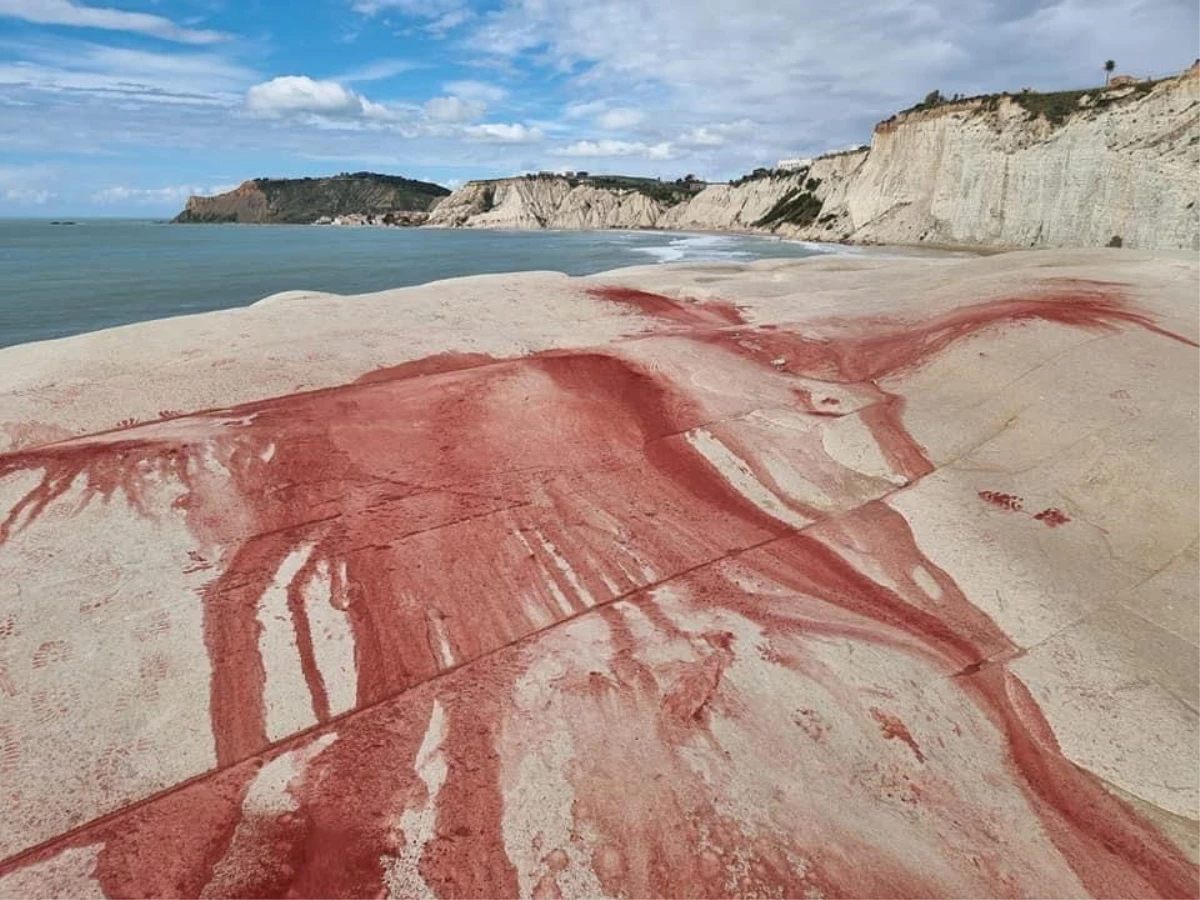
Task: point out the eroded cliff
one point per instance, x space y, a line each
1025 171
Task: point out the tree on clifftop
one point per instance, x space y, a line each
1109 65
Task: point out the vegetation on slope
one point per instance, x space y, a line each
1055 106
668 193
797 207
303 200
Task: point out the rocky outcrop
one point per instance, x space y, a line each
305 200
402 219
1034 170
539 202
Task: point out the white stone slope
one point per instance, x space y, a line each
1124 165
772 736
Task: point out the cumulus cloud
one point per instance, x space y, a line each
503 133
69 13
292 94
608 147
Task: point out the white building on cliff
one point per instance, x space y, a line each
789 165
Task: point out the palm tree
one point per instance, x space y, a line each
1109 65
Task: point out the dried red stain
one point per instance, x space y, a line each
1053 517
894 729
1000 500
680 312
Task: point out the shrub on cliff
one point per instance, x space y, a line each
798 207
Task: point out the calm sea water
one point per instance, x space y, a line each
58 280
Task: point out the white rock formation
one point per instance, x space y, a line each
983 172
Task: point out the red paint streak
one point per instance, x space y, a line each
879 350
1000 500
436 364
1052 517
304 642
1114 852
466 857
905 456
894 729
712 313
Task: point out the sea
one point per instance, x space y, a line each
62 279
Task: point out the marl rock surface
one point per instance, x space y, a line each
842 576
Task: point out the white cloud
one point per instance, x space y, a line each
171 195
809 75
584 109
379 70
465 101
609 147
716 135
28 196
292 94
423 9
503 133
437 17
448 21
454 109
117 73
69 13
476 90
619 118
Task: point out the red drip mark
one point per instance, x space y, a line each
1052 517
680 312
1000 500
894 729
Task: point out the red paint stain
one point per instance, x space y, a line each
894 729
463 484
1052 517
712 313
1000 500
436 364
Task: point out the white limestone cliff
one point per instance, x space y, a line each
1124 164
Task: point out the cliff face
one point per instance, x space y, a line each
304 200
993 171
544 203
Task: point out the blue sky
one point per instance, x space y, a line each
124 107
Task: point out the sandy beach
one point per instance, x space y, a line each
839 576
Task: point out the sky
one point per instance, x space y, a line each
126 107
